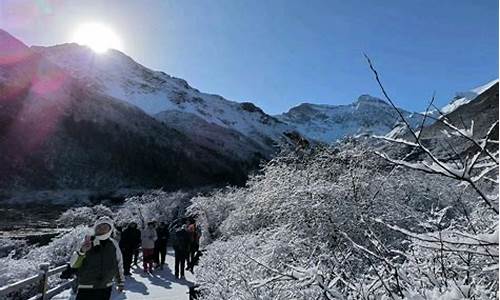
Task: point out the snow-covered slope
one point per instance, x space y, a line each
475 117
57 132
117 75
220 139
462 98
328 123
79 108
482 112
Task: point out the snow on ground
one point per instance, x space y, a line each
161 284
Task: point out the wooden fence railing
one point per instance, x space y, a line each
40 281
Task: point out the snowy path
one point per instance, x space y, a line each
155 286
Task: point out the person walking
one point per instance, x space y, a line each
194 245
136 255
129 243
117 233
181 248
148 236
97 262
161 244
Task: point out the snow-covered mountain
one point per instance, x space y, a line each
476 115
366 116
117 75
462 98
475 118
328 123
72 118
57 132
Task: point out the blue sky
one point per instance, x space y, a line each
279 53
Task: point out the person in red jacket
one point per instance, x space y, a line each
194 238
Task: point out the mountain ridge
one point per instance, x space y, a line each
116 74
70 118
328 123
57 133
156 92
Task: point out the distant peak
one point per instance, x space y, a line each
305 106
250 107
481 89
462 98
76 48
370 99
80 55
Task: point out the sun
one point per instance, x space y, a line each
98 37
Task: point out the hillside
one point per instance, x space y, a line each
56 132
119 76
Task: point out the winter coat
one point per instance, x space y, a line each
148 236
97 267
130 239
194 233
162 234
182 241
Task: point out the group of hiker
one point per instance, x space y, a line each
111 251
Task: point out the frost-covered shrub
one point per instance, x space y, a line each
7 245
353 223
318 195
157 205
84 215
16 269
59 250
229 270
55 253
212 210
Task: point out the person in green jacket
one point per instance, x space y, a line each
98 262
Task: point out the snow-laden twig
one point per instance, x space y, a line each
400 141
437 166
449 239
451 172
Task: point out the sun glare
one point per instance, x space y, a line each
97 36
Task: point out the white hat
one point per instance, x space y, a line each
104 220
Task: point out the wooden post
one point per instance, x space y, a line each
44 269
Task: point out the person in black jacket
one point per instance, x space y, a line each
129 243
161 244
181 247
